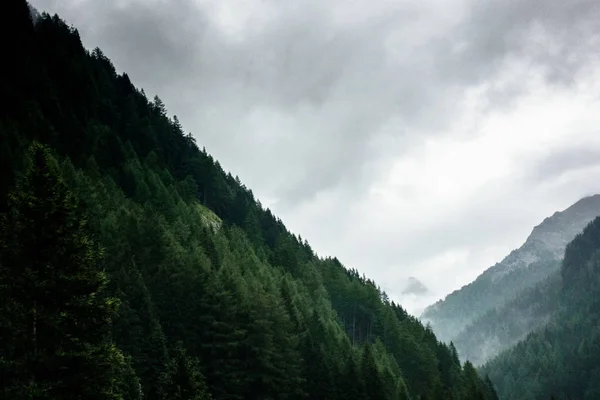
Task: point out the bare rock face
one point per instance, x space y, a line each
523 268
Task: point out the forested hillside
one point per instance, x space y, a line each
524 268
561 359
132 265
503 327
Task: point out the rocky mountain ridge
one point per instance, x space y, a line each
523 268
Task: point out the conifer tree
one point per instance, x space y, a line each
183 379
373 384
55 323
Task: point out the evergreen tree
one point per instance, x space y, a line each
183 379
55 324
353 385
373 384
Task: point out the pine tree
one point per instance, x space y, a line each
490 391
183 379
353 386
373 384
55 323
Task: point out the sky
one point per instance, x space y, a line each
414 140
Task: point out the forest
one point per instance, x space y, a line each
504 326
132 265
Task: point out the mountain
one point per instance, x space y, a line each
560 359
503 327
534 261
414 286
132 265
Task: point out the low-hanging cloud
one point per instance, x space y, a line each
407 138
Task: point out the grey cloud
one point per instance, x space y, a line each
565 160
298 61
503 213
568 31
406 247
341 75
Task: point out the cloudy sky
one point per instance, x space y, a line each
408 138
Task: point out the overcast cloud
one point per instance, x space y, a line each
407 138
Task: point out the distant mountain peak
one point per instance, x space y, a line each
414 286
547 241
522 268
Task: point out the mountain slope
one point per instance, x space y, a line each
503 327
217 298
561 359
523 268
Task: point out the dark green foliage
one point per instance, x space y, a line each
182 379
374 388
55 320
217 298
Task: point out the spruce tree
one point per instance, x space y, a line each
183 379
55 321
373 383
